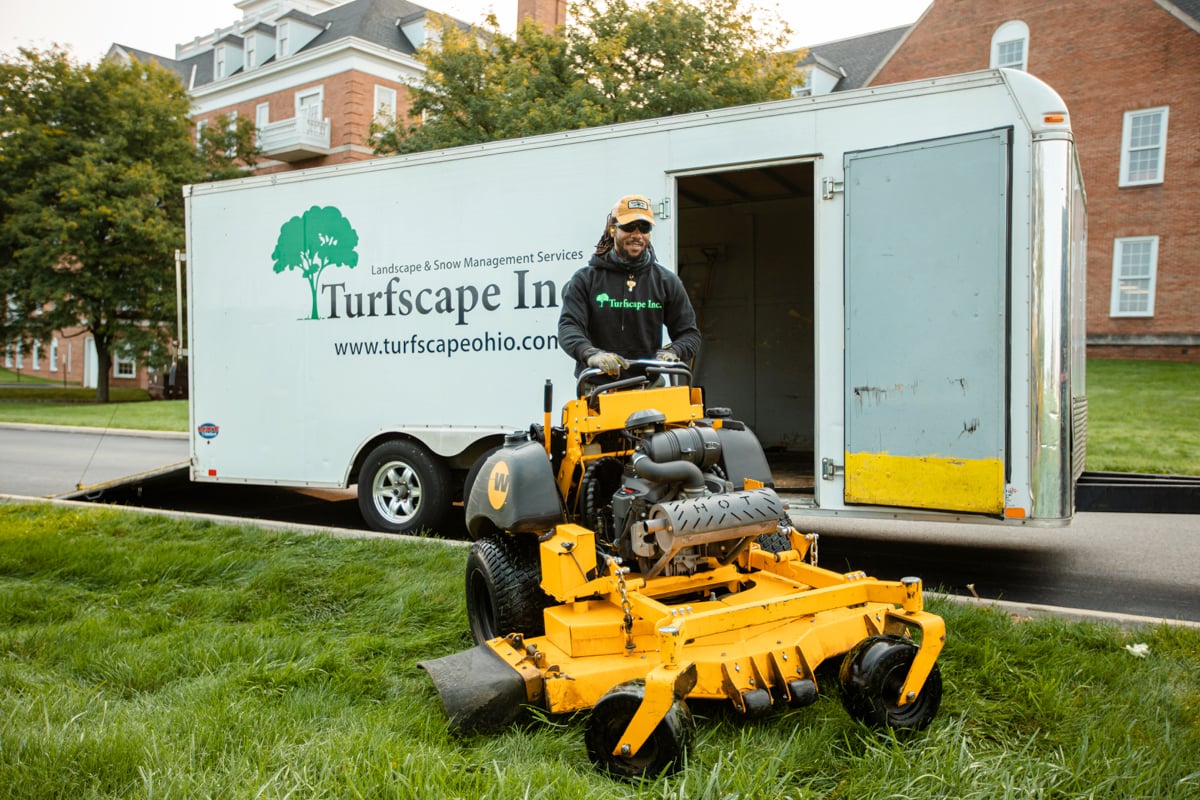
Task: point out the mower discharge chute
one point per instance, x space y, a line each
636 557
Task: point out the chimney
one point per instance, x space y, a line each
549 14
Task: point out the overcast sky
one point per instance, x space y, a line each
88 27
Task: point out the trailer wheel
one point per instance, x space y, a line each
871 676
662 753
504 593
403 488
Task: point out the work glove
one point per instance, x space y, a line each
666 354
610 363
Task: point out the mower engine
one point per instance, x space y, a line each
675 510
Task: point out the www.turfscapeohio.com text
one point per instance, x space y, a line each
446 346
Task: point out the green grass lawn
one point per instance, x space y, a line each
145 657
11 376
146 415
39 401
1143 416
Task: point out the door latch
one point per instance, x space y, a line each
830 470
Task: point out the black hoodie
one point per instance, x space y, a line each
618 308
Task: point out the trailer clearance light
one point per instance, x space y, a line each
1014 513
212 473
1051 119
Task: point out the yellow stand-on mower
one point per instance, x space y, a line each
636 557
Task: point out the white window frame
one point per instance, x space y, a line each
201 124
251 52
1012 31
219 62
385 98
124 366
304 94
231 127
1123 286
54 354
1128 147
282 32
37 356
262 115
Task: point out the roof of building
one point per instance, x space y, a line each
858 57
1189 7
373 21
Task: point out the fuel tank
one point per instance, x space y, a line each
514 491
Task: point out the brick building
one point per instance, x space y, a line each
312 74
69 356
1129 71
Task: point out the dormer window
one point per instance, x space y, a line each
281 39
251 61
219 66
1010 46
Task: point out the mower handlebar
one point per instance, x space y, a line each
650 367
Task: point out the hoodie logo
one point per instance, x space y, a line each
604 301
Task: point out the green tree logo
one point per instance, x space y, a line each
320 238
602 299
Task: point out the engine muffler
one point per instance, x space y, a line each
678 524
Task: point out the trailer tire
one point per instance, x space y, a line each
403 488
871 676
662 754
504 592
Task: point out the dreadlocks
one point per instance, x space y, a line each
606 237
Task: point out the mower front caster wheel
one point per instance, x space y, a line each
662 753
871 676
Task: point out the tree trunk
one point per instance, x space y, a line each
103 368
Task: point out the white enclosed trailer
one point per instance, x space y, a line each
889 284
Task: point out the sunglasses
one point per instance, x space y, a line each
641 226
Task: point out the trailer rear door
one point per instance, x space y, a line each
926 318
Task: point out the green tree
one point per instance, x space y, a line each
616 61
311 243
92 164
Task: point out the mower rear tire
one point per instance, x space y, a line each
504 593
871 676
662 754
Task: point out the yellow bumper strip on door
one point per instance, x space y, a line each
945 484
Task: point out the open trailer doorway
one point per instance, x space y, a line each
746 255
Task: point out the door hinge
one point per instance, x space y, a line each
664 208
830 187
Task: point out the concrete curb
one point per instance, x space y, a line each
221 519
1005 606
1069 614
32 426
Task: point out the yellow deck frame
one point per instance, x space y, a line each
759 623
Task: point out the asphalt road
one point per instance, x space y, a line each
1132 564
48 461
